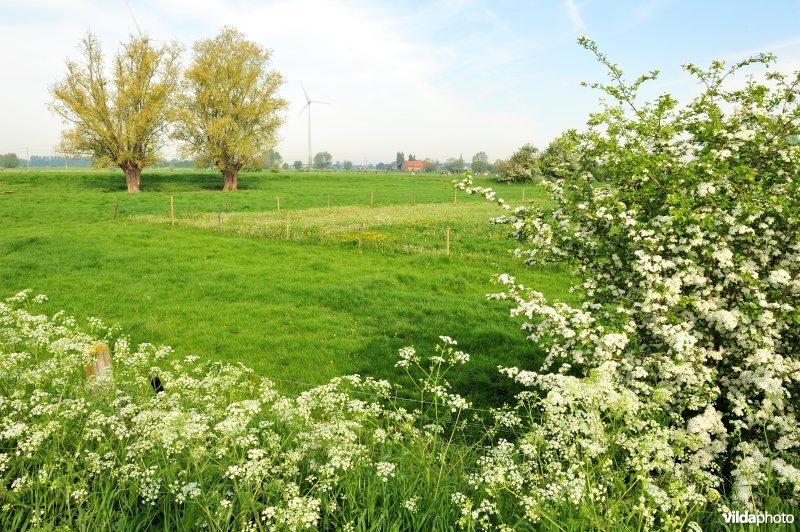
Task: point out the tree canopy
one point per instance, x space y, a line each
522 167
323 160
118 118
274 157
453 165
480 162
229 110
498 166
431 165
9 160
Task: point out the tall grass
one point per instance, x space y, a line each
219 448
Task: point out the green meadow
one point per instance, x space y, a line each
225 283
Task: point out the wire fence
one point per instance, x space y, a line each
400 225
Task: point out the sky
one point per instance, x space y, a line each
435 79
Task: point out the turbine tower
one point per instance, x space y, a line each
309 101
135 22
138 28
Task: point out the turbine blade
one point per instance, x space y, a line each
303 109
135 23
304 92
315 101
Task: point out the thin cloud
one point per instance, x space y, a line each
574 14
646 11
774 47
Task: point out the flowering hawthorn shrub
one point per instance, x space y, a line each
524 166
679 374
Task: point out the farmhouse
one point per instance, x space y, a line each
413 166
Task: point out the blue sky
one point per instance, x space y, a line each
436 79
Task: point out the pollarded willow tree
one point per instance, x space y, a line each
229 111
119 118
676 380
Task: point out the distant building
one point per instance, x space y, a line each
413 166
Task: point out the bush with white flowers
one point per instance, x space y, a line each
215 446
677 379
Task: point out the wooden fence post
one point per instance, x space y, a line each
116 210
447 243
371 195
523 194
360 230
329 200
455 197
414 200
102 361
288 226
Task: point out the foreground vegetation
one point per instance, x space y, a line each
219 448
215 446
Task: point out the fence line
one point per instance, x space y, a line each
281 230
283 233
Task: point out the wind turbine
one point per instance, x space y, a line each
309 101
138 29
135 22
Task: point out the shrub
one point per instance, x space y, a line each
677 378
522 167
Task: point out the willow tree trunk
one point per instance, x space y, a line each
132 176
231 178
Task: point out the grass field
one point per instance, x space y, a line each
304 309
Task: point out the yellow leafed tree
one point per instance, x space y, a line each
121 118
229 111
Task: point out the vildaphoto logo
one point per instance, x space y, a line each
757 518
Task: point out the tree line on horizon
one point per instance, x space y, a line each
12 160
